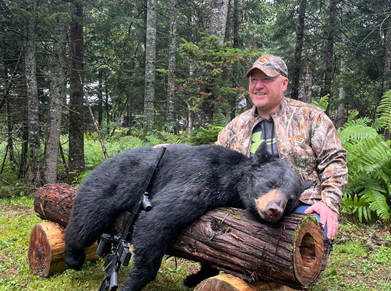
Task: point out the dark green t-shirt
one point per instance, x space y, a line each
264 131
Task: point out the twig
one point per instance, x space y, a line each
95 123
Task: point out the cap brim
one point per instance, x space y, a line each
271 73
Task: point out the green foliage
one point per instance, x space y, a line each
323 102
384 111
165 137
210 81
205 135
369 163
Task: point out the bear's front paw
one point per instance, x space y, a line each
74 257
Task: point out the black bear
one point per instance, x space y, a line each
190 181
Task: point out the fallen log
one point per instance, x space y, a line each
46 249
291 252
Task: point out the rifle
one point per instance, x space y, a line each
117 247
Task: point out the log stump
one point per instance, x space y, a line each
226 282
46 249
292 252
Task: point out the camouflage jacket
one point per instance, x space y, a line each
307 140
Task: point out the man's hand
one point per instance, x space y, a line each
327 217
161 145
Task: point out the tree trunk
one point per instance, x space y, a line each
100 97
10 141
23 152
76 110
290 252
32 103
218 19
329 51
309 78
387 56
57 79
171 68
234 82
150 64
298 49
341 107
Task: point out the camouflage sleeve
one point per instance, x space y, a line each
223 137
331 160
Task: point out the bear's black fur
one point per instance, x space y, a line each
190 181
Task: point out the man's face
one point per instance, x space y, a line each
266 92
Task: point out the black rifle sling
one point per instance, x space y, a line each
146 190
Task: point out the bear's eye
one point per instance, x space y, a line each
274 184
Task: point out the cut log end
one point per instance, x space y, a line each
46 249
226 282
307 249
39 252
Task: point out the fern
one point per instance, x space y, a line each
369 163
384 111
165 137
323 102
359 206
356 132
172 138
377 203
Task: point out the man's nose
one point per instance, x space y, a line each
259 84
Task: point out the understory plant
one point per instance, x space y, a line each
368 192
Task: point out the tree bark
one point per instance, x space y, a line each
76 110
150 63
387 56
218 20
309 78
234 82
341 107
291 252
57 79
32 103
171 67
298 49
329 51
23 153
100 97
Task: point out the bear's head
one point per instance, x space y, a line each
270 187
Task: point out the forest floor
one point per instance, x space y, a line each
361 259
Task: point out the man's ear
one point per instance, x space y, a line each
261 155
285 84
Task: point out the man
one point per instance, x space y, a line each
300 134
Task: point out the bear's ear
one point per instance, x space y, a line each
261 155
305 185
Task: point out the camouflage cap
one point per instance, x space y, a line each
271 66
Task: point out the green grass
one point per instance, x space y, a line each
17 219
360 260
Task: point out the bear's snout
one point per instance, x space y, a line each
271 205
